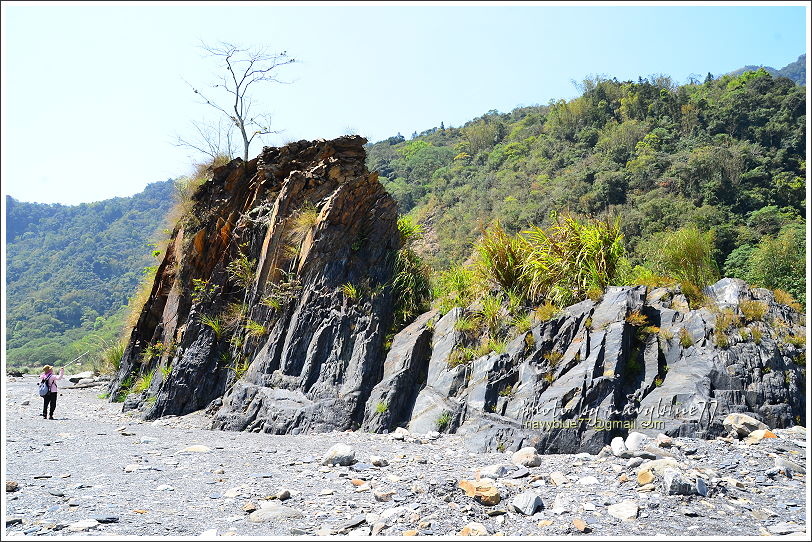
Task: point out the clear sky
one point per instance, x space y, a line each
94 94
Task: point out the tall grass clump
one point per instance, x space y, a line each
568 259
454 287
143 382
241 270
109 359
500 258
301 223
410 286
687 255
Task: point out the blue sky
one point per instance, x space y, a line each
94 95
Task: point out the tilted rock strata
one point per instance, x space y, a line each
610 376
312 354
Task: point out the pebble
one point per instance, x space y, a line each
378 461
624 510
619 447
197 448
527 503
339 454
674 483
473 529
526 457
83 525
283 495
635 440
558 478
275 512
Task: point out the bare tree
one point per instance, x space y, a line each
244 68
215 140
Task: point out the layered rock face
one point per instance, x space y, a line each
638 359
274 297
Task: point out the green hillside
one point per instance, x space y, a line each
794 70
726 156
71 269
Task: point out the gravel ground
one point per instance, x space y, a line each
97 472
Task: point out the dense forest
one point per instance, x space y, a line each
72 269
725 155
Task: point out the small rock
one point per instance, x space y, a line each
701 487
274 513
588 481
378 461
197 448
625 510
741 424
482 491
644 477
526 457
12 486
340 454
527 503
663 441
283 495
619 447
789 467
580 525
400 433
56 492
249 507
675 484
558 478
473 529
758 435
493 471
82 525
520 472
164 487
635 441
634 462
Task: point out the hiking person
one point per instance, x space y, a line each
50 398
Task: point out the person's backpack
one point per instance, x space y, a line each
44 387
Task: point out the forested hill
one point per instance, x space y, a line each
794 70
726 155
69 267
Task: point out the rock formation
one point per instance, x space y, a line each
638 359
273 302
274 296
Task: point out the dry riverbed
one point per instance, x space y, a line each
97 472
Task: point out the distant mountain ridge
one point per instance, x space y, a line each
70 267
794 70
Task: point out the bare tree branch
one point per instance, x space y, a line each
244 68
